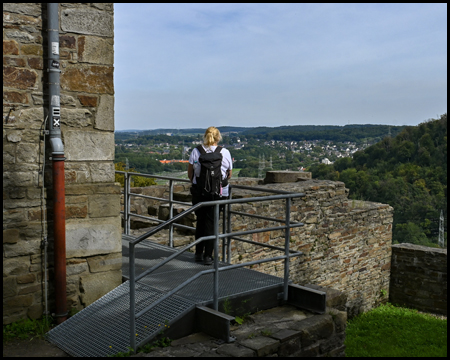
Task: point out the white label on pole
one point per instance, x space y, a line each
55 48
55 100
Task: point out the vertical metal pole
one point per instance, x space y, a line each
132 297
224 229
229 227
59 207
286 247
170 212
59 226
216 258
128 205
125 203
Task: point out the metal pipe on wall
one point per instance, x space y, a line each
59 206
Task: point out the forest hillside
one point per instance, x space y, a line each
408 172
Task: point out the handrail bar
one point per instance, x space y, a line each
211 237
246 187
209 271
160 221
257 243
261 217
211 203
237 186
166 223
152 176
231 212
160 199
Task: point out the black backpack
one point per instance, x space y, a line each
210 181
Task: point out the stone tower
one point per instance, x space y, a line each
93 233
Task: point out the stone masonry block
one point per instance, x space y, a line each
105 263
19 78
76 267
87 21
262 345
10 236
9 287
95 50
27 153
289 341
33 9
94 286
88 145
102 172
315 328
29 247
104 205
90 101
31 118
91 79
21 36
286 176
26 279
105 113
10 47
78 118
234 350
102 236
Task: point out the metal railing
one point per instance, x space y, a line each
226 237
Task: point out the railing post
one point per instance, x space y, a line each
132 297
286 248
125 207
170 212
129 204
229 226
224 229
125 204
216 258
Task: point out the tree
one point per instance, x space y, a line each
409 233
136 181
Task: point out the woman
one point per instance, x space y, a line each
205 215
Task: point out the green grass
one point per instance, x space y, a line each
390 331
26 328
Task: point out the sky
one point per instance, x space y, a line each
181 66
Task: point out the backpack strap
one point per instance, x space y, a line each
200 148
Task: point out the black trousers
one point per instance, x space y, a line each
205 223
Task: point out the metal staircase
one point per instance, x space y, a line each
103 328
166 290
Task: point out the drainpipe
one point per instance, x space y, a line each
59 206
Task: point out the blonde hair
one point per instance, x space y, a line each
212 136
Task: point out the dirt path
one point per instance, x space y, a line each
33 347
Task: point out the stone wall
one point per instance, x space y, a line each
92 198
346 243
283 331
419 277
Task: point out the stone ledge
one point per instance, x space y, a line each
269 333
286 176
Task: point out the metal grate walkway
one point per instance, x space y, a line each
102 328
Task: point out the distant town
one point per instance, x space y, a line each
251 154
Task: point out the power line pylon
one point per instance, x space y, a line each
441 230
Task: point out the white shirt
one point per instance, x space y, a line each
227 163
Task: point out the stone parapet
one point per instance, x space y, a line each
419 277
346 244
